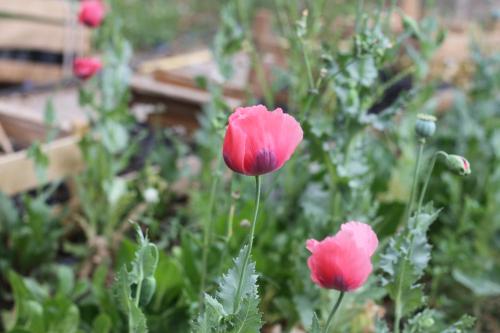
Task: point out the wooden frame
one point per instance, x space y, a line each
17 171
33 27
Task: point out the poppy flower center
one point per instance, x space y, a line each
265 161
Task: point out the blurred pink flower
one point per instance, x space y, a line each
92 13
85 68
343 261
259 141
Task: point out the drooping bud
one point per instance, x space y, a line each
425 126
458 164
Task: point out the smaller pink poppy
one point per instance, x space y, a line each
92 13
343 261
85 68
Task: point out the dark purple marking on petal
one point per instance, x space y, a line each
265 161
339 283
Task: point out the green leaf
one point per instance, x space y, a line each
137 320
102 324
229 283
480 284
219 313
463 325
315 326
404 260
128 286
248 319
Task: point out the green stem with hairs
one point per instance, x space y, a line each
332 313
398 307
258 185
208 228
409 206
428 178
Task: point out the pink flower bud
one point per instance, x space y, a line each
92 13
458 164
85 68
343 261
259 141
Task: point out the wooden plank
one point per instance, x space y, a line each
145 87
175 62
55 10
21 129
4 141
12 71
29 35
17 170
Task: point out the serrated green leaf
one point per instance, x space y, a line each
404 260
137 320
463 325
219 313
248 318
315 326
228 285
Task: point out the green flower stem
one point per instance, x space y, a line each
332 313
208 227
249 250
428 178
307 63
359 14
398 307
409 206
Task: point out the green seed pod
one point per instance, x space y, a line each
147 290
425 126
458 164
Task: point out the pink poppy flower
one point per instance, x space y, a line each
259 141
343 261
92 13
85 68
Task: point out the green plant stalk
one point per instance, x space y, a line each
359 13
428 178
398 306
334 309
409 206
258 186
208 228
307 63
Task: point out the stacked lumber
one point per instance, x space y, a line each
172 83
22 124
39 40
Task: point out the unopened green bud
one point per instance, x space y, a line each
147 290
425 126
458 164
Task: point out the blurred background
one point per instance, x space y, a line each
140 140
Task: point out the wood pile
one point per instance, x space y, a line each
22 124
39 40
172 83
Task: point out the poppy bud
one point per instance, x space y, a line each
92 13
425 126
458 164
147 291
85 68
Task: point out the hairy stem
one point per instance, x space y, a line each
332 313
409 206
258 186
208 228
428 178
